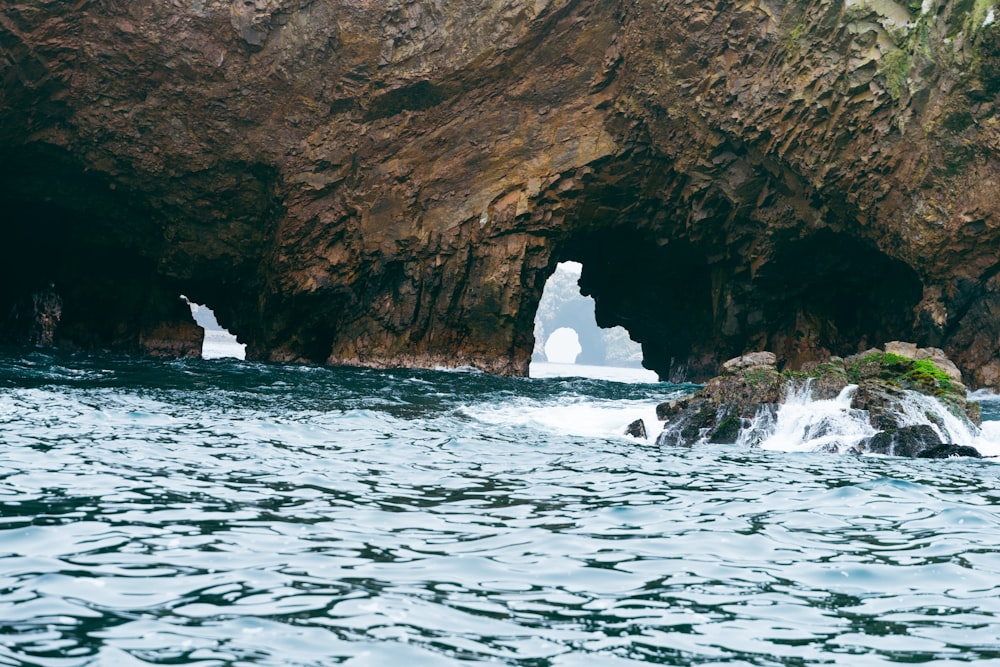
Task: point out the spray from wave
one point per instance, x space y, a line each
804 424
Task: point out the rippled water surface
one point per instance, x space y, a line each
227 513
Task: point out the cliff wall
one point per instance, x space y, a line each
390 183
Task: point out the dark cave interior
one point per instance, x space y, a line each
834 294
828 293
72 272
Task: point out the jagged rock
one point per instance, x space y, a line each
751 360
716 411
692 425
47 311
920 441
884 382
668 408
390 183
637 429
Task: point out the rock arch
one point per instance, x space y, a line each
391 185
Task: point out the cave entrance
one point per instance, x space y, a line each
693 305
832 293
218 342
77 263
656 292
568 340
66 281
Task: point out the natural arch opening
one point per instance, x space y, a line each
218 342
692 305
657 292
566 332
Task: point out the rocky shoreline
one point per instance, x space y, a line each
884 389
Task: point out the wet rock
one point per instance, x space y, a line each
727 431
887 388
947 451
669 408
908 441
827 383
47 309
715 413
692 424
637 429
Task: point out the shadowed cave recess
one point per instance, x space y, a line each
693 303
342 184
79 272
86 266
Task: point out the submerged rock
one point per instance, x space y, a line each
637 429
906 401
944 451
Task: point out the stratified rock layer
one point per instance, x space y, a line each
390 183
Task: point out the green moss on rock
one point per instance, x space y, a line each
716 412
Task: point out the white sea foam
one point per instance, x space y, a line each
803 424
984 395
578 417
988 442
918 409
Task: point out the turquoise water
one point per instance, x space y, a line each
230 513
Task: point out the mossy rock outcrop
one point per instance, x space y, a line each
718 411
887 383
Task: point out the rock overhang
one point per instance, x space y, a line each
391 185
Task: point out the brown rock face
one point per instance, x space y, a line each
391 183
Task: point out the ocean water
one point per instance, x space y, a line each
220 512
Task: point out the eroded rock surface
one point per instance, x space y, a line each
390 183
